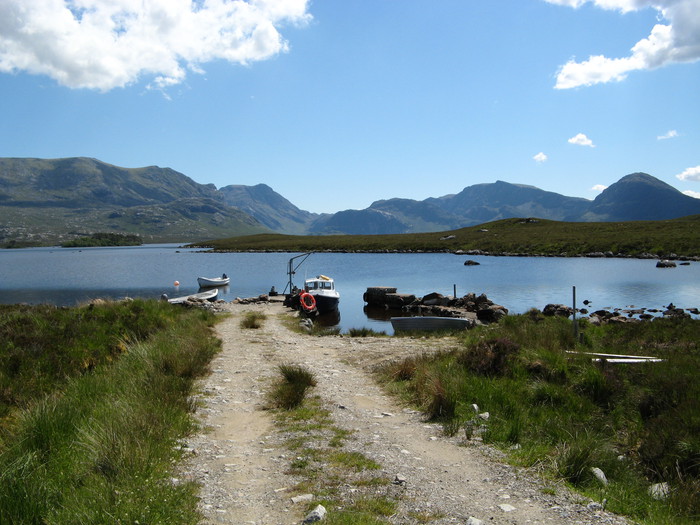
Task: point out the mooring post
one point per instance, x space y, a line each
575 320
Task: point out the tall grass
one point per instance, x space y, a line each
253 320
568 412
99 446
289 392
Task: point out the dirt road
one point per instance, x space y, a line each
240 459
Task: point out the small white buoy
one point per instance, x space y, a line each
176 283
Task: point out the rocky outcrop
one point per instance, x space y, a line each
478 308
665 264
558 310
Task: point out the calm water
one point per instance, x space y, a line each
66 276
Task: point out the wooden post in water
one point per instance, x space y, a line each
575 320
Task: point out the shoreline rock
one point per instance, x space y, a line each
479 309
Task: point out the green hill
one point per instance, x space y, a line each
50 201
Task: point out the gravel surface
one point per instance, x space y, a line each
240 460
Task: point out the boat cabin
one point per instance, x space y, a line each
319 283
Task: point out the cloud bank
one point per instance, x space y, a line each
675 42
100 44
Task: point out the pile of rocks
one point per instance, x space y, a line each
618 315
264 298
479 308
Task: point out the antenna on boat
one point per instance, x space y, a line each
291 269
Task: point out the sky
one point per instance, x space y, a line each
338 103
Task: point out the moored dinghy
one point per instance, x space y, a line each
207 295
208 282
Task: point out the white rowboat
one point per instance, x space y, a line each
208 282
207 295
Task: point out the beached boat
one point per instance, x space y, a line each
208 282
322 289
429 323
207 295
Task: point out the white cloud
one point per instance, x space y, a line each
581 140
540 157
599 188
98 44
693 194
677 41
670 134
690 174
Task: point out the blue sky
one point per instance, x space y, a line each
338 103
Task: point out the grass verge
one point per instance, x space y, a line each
565 413
98 443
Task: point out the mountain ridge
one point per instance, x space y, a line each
47 200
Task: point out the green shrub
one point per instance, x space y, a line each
490 358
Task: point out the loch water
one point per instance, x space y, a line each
69 276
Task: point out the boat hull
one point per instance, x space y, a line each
429 324
326 303
208 295
210 282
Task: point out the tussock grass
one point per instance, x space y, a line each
289 392
98 445
253 320
365 332
568 413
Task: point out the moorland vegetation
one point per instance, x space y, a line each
104 239
552 407
679 237
93 403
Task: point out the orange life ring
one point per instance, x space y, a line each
308 301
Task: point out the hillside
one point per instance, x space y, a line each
640 197
268 207
45 202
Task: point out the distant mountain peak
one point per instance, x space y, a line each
640 196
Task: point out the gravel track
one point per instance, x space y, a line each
240 461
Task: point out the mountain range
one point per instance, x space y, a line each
46 201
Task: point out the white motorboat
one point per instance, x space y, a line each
322 289
208 282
